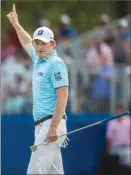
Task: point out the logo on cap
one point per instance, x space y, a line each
40 32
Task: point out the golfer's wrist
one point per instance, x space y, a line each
54 126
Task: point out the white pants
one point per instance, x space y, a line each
47 158
124 155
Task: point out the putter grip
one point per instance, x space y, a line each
116 116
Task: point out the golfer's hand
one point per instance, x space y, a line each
13 17
52 135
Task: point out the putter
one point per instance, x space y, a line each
34 147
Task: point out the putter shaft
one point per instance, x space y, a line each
88 126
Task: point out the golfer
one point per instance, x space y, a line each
50 94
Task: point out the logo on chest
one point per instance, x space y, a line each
39 74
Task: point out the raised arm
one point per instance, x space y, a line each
24 38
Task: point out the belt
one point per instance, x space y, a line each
37 122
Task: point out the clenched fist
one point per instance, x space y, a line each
13 17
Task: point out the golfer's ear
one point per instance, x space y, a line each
53 42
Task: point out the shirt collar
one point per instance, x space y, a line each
53 53
50 55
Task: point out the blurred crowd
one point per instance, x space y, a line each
107 56
107 48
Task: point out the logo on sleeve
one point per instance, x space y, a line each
58 76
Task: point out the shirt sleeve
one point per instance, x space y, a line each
59 75
32 53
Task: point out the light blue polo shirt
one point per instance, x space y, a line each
48 74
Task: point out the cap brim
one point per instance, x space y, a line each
41 39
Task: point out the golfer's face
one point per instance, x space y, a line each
42 49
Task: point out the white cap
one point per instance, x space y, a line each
65 19
123 23
44 34
104 18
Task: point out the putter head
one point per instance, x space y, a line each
33 148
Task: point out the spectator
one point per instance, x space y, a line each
66 31
103 22
121 50
123 31
101 88
118 137
100 62
104 19
105 31
98 50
